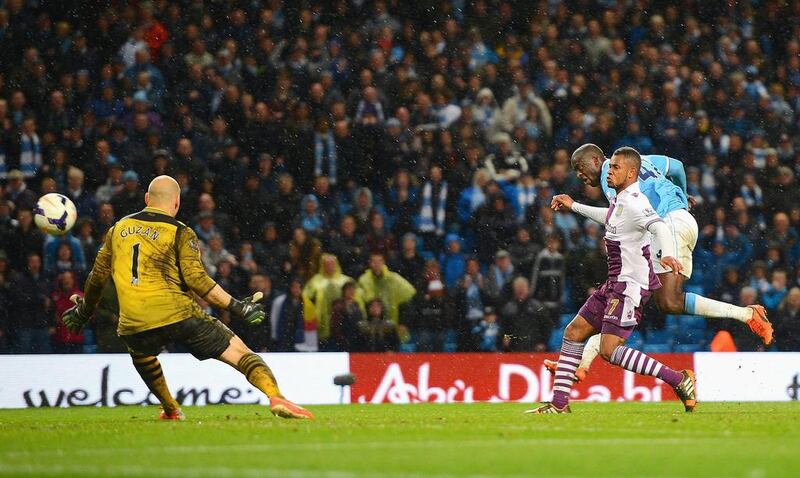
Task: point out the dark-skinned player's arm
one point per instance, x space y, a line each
198 281
564 201
79 314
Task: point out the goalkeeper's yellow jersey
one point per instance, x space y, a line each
154 261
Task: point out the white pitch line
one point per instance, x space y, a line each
225 472
251 447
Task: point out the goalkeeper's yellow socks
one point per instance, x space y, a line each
149 369
258 373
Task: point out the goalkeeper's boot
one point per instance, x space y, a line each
687 390
280 407
176 414
580 374
759 324
548 407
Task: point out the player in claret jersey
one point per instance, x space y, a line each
663 180
615 309
154 261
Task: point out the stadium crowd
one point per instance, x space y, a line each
382 170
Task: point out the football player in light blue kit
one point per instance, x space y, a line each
663 180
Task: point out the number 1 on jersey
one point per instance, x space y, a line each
135 265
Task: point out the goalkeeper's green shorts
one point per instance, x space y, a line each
205 338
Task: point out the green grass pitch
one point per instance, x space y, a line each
749 440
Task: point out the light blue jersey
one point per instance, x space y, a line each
664 195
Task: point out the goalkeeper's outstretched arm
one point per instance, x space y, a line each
199 282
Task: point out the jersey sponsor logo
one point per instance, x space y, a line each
139 230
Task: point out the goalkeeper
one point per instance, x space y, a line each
154 261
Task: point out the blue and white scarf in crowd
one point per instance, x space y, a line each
30 155
752 197
428 221
526 196
322 141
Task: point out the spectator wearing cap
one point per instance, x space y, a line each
430 318
130 199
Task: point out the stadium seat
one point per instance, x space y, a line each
554 344
692 322
688 348
659 337
694 289
564 320
656 348
635 341
688 335
671 322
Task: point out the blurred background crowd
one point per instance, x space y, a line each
382 170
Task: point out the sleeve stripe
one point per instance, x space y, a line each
209 290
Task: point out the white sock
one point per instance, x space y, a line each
699 305
590 351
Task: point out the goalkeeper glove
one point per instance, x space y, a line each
248 309
76 316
